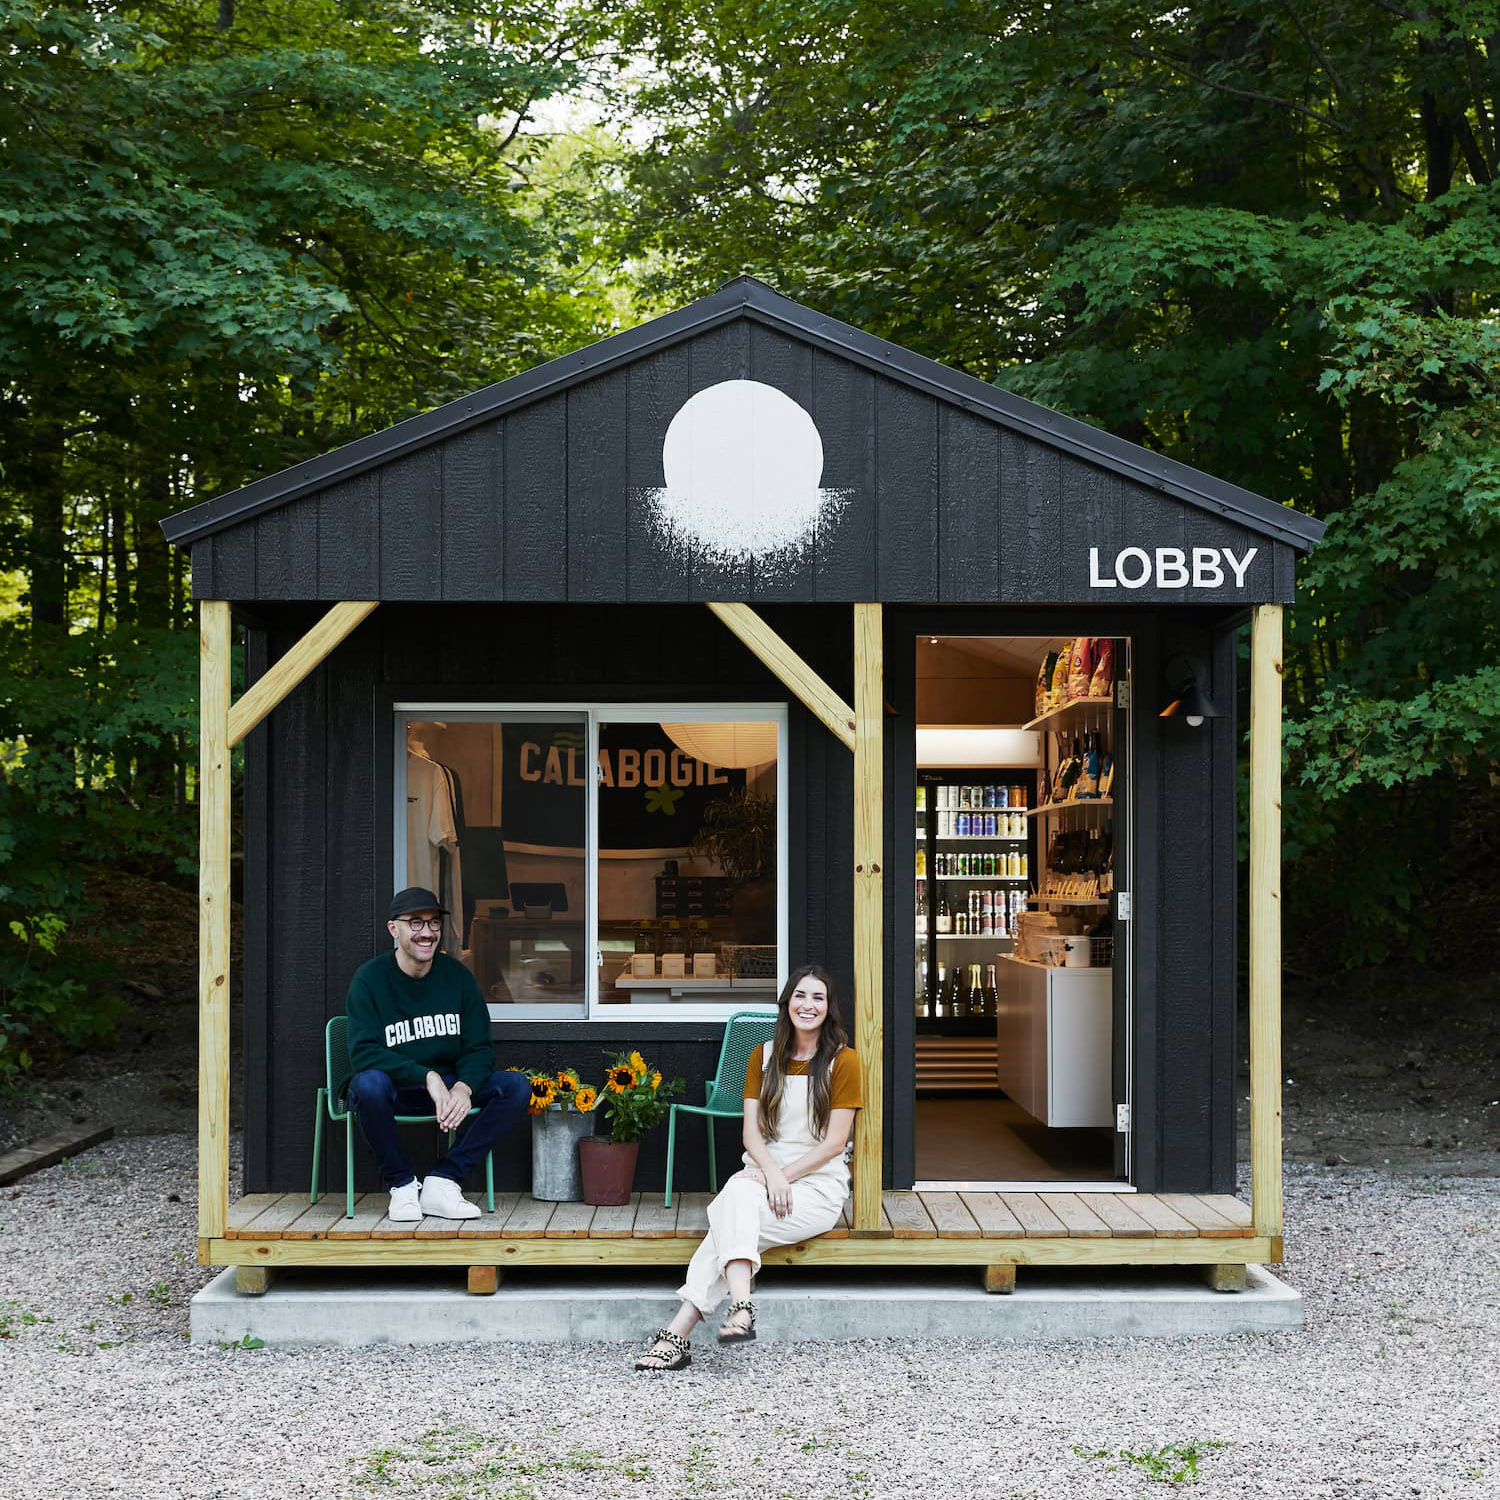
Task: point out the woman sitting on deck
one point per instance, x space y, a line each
801 1091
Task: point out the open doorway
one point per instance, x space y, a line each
1021 764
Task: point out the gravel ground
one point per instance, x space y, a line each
1389 1391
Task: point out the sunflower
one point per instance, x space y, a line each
567 1080
543 1092
584 1098
655 1082
638 1062
619 1077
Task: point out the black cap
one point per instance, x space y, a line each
414 898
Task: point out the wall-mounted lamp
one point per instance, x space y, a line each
1184 675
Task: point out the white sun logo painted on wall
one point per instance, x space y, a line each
742 463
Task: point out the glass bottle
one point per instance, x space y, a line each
944 916
974 1004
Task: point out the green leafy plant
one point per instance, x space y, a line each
634 1097
1172 1463
739 832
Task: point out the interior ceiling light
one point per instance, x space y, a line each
734 744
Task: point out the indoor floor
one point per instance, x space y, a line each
990 1139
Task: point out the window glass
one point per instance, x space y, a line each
687 862
497 825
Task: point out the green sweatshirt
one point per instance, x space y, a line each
405 1026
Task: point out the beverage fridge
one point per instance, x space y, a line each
976 859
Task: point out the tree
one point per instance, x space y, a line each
1262 239
230 237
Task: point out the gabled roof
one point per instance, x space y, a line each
748 298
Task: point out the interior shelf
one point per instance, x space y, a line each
1078 708
1057 807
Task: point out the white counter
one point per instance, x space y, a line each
1053 1031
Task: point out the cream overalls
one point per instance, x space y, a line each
740 1221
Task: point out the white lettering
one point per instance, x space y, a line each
1096 579
1207 574
1239 566
390 1035
1173 559
1142 576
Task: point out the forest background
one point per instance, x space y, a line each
1260 237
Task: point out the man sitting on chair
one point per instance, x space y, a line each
419 1043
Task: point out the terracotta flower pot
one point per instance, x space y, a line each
608 1169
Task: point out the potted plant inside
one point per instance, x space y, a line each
634 1099
561 1116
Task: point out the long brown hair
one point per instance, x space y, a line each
831 1040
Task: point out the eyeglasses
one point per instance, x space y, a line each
418 924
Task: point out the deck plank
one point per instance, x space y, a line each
1229 1207
1116 1211
841 1225
1165 1222
692 1217
314 1222
488 1225
615 1221
246 1210
274 1217
948 1214
528 1219
1080 1220
654 1220
1037 1220
387 1228
1207 1222
570 1221
909 1220
369 1210
995 1220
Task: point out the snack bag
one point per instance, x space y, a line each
1044 681
1057 691
1080 667
1102 683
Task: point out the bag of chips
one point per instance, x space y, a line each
1102 683
1044 681
1057 691
1080 668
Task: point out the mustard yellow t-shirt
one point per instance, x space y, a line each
846 1087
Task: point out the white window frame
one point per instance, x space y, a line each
593 714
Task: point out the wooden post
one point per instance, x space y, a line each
1265 919
1000 1280
213 920
869 946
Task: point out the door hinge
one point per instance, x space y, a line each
598 958
1122 694
1122 1119
1122 906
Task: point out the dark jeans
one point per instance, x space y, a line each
376 1101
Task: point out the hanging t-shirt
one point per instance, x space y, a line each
432 840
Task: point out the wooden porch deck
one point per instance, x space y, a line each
954 1229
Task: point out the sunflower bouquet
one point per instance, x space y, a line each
562 1089
635 1098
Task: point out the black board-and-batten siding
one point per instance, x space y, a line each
936 505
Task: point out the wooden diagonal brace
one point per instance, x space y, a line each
291 669
790 670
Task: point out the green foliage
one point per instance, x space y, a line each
1262 240
231 237
1172 1463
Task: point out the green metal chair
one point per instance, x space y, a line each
744 1031
333 1100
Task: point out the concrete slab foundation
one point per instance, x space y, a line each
797 1304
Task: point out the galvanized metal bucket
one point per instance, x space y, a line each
555 1134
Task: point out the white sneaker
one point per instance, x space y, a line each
442 1198
405 1208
